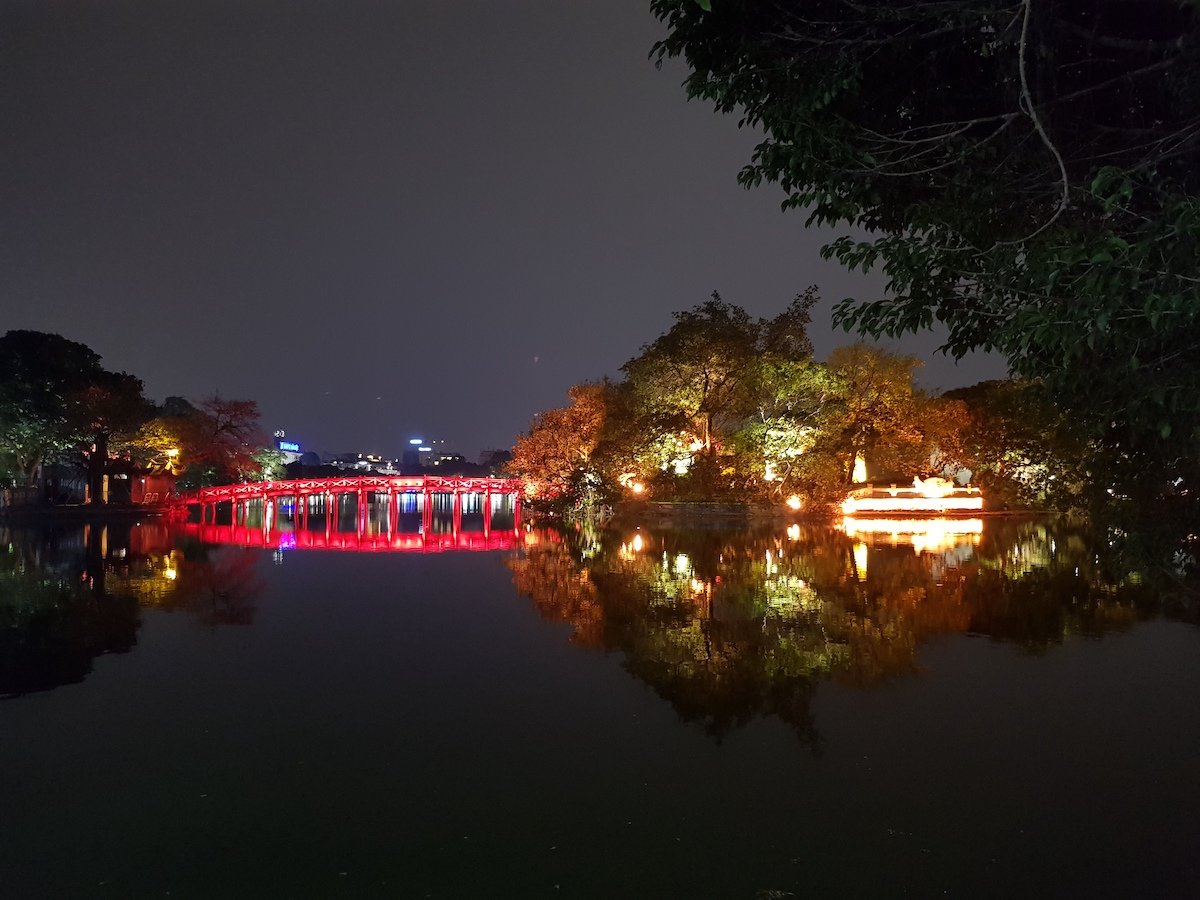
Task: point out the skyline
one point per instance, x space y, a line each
379 223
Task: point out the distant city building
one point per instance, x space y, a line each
363 462
289 449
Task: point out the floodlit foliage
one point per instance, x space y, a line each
555 457
724 406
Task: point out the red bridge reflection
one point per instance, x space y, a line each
358 541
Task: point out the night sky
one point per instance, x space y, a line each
379 219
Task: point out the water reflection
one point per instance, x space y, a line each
72 592
69 594
731 626
443 535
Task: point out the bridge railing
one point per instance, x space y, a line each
435 484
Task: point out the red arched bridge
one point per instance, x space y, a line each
378 502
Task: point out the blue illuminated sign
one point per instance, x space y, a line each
290 446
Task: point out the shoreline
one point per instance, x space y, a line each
79 512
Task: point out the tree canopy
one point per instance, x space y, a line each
58 404
1026 174
56 398
726 406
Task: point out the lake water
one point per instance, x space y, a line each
970 709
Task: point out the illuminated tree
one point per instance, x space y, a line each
220 441
788 394
555 457
877 413
721 399
158 444
689 380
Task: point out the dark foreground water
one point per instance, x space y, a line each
970 710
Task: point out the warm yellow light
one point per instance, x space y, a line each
173 452
636 543
769 474
924 535
637 487
860 470
933 487
794 502
911 503
170 574
860 560
930 495
793 532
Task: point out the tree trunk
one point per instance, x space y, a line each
32 469
97 464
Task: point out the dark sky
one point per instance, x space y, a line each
378 219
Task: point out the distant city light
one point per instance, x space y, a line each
425 449
416 441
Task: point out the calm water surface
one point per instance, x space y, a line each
894 709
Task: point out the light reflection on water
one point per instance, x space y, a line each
752 619
728 626
275 720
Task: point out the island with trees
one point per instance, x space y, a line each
725 407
